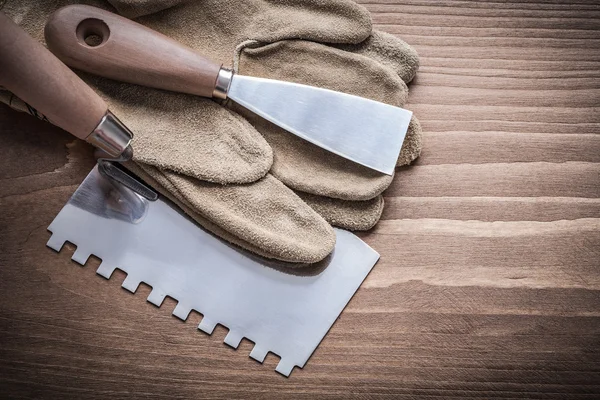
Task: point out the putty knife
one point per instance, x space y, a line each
362 130
282 310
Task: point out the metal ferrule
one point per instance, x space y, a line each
223 82
111 136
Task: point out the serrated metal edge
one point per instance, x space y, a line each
157 296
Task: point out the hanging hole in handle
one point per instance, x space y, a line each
92 32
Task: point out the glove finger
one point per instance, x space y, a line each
330 21
363 215
264 217
400 57
411 148
138 8
189 135
345 214
306 167
215 27
298 163
390 51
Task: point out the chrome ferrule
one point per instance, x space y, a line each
111 136
223 82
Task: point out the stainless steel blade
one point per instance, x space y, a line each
362 130
153 242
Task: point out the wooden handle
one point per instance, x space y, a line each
106 44
36 76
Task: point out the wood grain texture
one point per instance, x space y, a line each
489 281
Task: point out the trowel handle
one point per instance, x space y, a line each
37 77
106 44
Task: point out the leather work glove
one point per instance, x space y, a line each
213 163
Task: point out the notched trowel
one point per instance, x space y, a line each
284 313
153 242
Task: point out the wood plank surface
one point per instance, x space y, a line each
489 279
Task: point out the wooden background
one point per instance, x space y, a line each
489 280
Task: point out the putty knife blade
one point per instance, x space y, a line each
367 132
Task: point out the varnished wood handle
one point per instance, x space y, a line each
127 51
36 76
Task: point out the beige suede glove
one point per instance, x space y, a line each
215 147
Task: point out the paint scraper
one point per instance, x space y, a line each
367 132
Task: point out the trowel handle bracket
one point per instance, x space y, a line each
105 44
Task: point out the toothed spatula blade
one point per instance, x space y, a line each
367 132
287 312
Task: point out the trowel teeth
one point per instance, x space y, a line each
55 242
258 353
284 368
207 326
80 256
233 339
181 311
131 283
156 297
105 269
